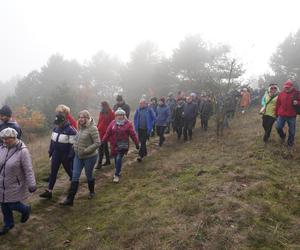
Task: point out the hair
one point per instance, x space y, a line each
85 113
105 105
61 108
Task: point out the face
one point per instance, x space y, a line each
120 117
4 118
9 141
82 120
273 89
189 99
143 104
288 89
160 103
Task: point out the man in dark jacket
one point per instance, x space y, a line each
60 151
178 117
123 105
285 111
205 110
7 121
190 113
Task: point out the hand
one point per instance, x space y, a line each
295 102
32 189
137 146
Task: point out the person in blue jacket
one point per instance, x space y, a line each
144 119
60 151
162 119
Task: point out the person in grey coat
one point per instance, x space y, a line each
16 178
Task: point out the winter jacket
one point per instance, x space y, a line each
163 115
16 175
104 120
171 102
284 104
190 111
124 106
62 140
150 119
72 121
154 108
269 104
245 99
178 116
116 133
205 109
11 124
87 140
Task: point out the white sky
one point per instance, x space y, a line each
33 30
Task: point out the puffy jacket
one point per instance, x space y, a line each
284 104
116 133
163 115
16 175
62 140
87 140
150 119
205 108
104 120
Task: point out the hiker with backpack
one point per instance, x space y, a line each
118 133
268 110
287 102
16 178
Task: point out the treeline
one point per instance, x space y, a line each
195 65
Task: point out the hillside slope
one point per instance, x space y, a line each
226 193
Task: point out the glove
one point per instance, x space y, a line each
137 146
32 189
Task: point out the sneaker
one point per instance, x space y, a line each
116 179
46 195
26 216
5 230
139 159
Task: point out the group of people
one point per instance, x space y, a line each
281 107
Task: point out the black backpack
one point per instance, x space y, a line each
296 98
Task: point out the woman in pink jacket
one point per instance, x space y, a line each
16 178
117 134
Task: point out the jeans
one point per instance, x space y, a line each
291 121
88 165
267 122
56 160
160 130
143 136
7 211
118 163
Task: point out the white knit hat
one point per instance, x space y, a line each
9 132
120 112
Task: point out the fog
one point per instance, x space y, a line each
32 30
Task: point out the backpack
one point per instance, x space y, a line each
296 98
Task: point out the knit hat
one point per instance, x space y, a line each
119 98
8 132
59 118
6 111
120 111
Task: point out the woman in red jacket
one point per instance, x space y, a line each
117 134
106 116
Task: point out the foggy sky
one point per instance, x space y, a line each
32 30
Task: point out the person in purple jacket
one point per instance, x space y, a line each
16 178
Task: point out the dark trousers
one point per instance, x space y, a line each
179 131
7 211
103 150
160 130
267 123
143 136
204 122
56 160
188 129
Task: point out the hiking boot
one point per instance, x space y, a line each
116 179
26 215
99 166
139 159
5 230
70 198
106 163
91 185
47 195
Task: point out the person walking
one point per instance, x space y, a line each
66 111
268 110
171 102
106 116
162 119
85 146
60 151
245 100
16 178
144 119
118 133
179 117
205 110
190 113
123 105
153 105
286 113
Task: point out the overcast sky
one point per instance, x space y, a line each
33 30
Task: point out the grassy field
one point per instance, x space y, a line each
228 193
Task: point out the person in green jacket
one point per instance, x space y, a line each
85 146
268 110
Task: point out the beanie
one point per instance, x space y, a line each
6 111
